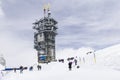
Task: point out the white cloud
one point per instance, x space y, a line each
16 51
97 22
12 1
14 47
81 23
1 11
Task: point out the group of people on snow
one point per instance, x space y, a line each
72 61
21 68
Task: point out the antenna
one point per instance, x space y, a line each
48 6
48 9
45 8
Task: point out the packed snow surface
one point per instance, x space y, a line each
106 66
109 57
59 71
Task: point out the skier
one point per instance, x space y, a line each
39 67
15 69
31 68
21 69
61 60
70 66
75 60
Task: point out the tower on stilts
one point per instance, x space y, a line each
45 31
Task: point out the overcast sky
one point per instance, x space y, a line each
81 23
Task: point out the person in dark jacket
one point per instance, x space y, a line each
31 68
70 66
39 67
21 69
15 69
75 60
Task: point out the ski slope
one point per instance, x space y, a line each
107 66
59 71
109 57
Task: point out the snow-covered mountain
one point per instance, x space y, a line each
89 70
79 53
60 71
109 56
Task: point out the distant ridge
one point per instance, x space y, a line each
109 56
